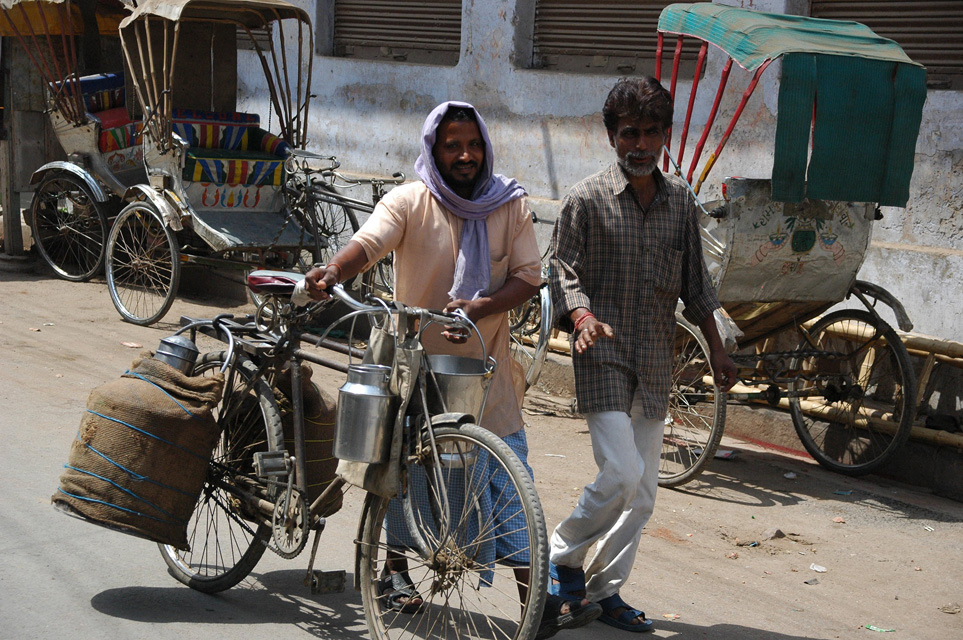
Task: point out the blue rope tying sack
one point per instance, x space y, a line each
142 452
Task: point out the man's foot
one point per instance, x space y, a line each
399 594
565 614
567 582
618 614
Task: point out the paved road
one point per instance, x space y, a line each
893 561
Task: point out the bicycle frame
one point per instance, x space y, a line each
275 338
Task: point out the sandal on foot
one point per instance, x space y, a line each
398 593
553 620
625 619
567 582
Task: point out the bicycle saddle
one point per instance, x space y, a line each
268 282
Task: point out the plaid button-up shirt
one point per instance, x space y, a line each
629 267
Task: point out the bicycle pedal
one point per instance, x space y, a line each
327 581
272 464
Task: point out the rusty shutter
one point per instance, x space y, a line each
930 31
596 37
427 31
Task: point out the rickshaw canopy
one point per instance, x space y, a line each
858 94
42 17
250 13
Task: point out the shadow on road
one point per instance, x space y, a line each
767 479
277 597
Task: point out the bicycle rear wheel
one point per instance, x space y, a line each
697 410
226 537
858 406
452 558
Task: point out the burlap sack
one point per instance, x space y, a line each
319 414
141 455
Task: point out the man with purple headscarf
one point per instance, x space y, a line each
462 238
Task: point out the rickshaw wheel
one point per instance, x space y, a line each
143 264
227 540
697 410
69 227
859 401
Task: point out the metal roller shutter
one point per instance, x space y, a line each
596 37
427 31
930 31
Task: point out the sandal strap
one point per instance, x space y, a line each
615 601
569 579
401 585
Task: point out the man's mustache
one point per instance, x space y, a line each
639 156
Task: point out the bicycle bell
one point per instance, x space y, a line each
179 352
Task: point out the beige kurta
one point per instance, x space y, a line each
425 236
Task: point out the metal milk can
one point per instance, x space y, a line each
366 413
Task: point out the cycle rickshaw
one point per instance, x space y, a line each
220 188
786 249
162 168
75 51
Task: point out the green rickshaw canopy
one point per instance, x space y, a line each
863 95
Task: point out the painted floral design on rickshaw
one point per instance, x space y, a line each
802 233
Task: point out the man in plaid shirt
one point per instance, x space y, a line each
626 248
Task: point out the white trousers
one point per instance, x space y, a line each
614 508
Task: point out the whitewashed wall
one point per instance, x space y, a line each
548 133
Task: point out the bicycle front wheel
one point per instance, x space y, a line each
854 403
697 410
226 535
478 552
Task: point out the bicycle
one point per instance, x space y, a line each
254 496
329 217
379 280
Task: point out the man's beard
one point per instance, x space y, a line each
637 170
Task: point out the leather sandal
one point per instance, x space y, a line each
395 587
625 619
568 582
553 620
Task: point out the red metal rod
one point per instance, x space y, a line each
692 96
69 44
658 57
41 63
723 79
676 59
735 118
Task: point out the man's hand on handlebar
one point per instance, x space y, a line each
459 335
319 279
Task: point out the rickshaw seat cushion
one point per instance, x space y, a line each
232 167
226 130
117 131
103 91
111 118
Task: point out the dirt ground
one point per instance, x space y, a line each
763 545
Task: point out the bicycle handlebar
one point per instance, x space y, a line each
456 318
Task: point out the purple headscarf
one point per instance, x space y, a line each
473 265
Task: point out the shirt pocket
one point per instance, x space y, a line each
499 274
666 272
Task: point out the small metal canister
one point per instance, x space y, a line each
366 412
179 352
